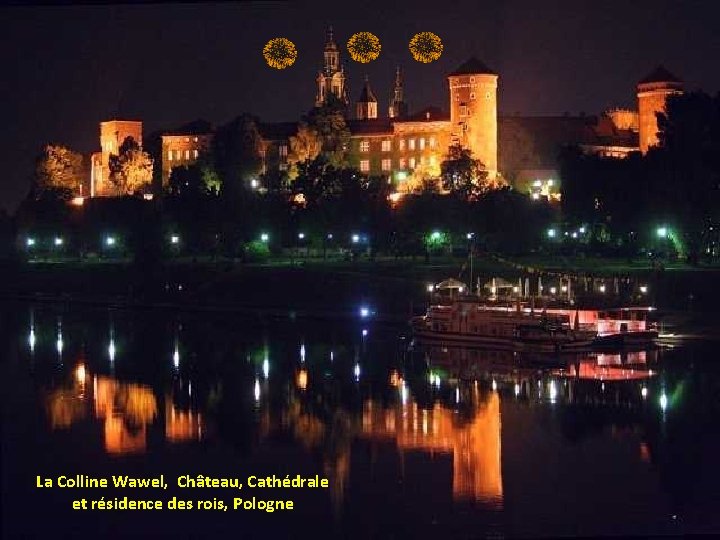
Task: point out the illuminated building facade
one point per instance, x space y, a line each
652 94
112 135
181 150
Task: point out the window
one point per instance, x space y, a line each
403 163
411 144
386 164
195 153
432 142
457 96
178 155
283 150
433 160
472 95
364 146
386 145
187 139
463 110
412 162
364 165
195 139
187 154
283 167
422 143
402 144
170 155
472 79
422 160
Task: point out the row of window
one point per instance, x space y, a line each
177 155
386 164
386 145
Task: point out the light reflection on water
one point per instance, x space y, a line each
460 409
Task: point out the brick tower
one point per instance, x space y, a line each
652 94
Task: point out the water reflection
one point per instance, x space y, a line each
346 399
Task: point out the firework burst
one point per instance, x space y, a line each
364 47
280 53
426 47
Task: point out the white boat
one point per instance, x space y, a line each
465 318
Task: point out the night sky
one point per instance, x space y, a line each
67 68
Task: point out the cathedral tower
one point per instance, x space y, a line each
331 79
473 111
398 107
366 107
652 94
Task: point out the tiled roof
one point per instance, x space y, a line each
373 126
428 114
367 96
659 74
473 66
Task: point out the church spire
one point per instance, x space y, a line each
398 107
366 106
331 79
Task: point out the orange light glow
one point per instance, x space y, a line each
302 379
77 201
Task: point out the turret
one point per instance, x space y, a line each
652 94
366 106
398 107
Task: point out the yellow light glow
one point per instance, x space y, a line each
80 373
302 379
364 47
280 53
77 201
426 47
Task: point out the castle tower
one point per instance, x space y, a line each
473 111
398 107
652 94
331 79
366 106
112 135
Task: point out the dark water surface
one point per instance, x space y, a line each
415 441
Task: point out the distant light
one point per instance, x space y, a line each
457 395
430 287
364 312
469 235
403 393
435 235
401 175
329 236
602 288
662 232
564 288
356 371
77 201
264 237
553 290
644 392
148 196
355 238
494 385
59 344
266 367
582 230
254 183
550 182
256 390
302 379
30 242
516 289
80 373
364 332
174 239
110 240
537 183
663 401
176 358
517 389
302 352
58 241
574 235
551 233
301 235
643 289
535 196
553 391
32 339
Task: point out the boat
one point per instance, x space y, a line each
460 317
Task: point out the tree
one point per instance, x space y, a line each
328 121
464 176
59 170
197 180
131 170
305 145
236 154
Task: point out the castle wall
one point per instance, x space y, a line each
651 100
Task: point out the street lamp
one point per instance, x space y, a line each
662 232
58 241
265 238
643 289
355 238
551 233
174 239
30 242
435 235
301 236
110 241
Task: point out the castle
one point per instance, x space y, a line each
405 147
